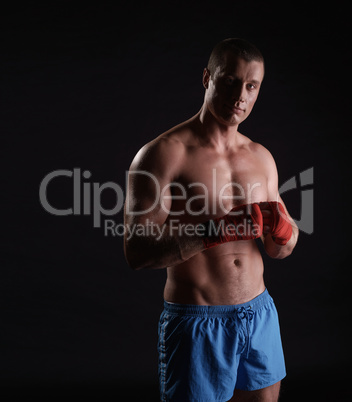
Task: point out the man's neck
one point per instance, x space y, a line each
219 135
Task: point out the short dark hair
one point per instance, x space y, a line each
238 47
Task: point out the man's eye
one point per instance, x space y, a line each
251 86
228 81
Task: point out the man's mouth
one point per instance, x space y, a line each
235 109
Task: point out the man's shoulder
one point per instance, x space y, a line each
168 148
259 150
260 153
264 158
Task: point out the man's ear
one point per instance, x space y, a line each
206 78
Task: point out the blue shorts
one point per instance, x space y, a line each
205 352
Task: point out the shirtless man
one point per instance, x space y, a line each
219 337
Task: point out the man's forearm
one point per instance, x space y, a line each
169 248
175 242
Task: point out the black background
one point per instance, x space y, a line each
85 87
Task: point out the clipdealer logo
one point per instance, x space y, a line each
87 200
304 185
98 209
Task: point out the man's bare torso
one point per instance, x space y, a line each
215 181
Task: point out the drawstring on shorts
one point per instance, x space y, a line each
246 314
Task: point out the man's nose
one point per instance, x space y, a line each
239 93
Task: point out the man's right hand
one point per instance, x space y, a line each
244 222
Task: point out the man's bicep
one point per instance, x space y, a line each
150 180
273 186
273 180
148 198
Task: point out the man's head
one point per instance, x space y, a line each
232 80
238 47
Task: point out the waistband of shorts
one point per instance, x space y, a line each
223 310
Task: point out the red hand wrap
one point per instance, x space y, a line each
244 222
280 226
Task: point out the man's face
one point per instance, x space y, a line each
233 89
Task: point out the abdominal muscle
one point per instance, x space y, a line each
228 274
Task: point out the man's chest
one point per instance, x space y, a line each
212 185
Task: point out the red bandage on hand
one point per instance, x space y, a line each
280 226
244 222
